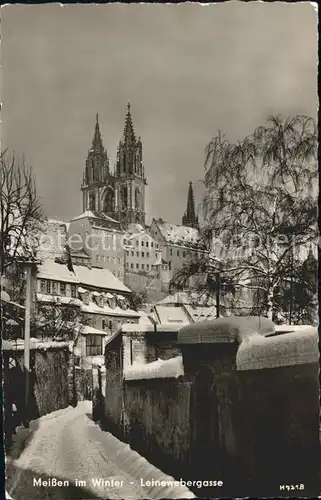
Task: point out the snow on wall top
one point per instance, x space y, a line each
180 235
34 344
225 330
170 368
294 348
100 278
50 269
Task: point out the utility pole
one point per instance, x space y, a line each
291 289
218 286
30 265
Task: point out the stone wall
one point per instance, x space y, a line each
245 412
49 384
156 421
113 401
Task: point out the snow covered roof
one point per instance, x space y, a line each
145 328
100 278
225 330
146 319
58 222
87 213
167 314
52 270
293 348
170 368
89 330
92 307
136 229
58 299
99 217
199 313
180 235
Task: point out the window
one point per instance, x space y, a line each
152 244
170 265
55 287
137 266
147 267
142 243
147 243
147 254
177 253
137 243
143 266
171 252
94 345
43 286
127 252
156 245
63 288
143 255
48 286
132 265
184 254
73 291
133 253
137 254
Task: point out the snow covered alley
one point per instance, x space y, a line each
69 456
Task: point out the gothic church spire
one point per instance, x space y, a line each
97 144
129 133
189 218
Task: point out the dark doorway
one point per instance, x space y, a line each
206 453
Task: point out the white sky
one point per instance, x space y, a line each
188 71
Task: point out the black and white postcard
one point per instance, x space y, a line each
159 250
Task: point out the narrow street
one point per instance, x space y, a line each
68 446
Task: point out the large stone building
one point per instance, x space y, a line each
145 269
119 194
100 237
179 244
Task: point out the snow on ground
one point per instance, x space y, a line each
68 445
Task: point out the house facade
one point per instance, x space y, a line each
179 244
90 304
101 239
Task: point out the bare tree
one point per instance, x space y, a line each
260 204
20 211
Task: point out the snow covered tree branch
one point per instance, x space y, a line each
260 205
20 211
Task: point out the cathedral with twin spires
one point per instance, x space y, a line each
118 194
